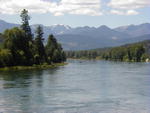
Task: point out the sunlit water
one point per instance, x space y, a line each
79 87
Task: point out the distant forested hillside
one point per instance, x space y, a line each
135 52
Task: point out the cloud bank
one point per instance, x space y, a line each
127 7
81 7
128 12
77 7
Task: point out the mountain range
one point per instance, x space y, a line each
86 37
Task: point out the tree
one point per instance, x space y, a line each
50 47
28 33
140 50
1 40
25 24
15 40
54 50
56 56
6 58
39 47
63 56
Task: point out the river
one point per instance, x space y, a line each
82 86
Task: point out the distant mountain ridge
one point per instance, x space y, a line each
91 37
5 25
135 30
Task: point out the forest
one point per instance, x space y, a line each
19 47
136 52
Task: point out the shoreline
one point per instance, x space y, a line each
147 60
14 68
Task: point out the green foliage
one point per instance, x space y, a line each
1 40
20 49
25 24
26 28
54 51
40 55
134 52
15 40
6 58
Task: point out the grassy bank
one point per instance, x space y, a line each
44 66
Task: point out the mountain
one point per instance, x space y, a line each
135 30
54 29
102 31
60 29
90 37
4 25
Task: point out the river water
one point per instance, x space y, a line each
79 87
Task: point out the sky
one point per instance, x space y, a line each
112 13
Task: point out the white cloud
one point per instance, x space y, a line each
82 7
128 4
127 7
77 7
132 12
15 6
117 12
121 12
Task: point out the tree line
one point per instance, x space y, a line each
19 47
136 52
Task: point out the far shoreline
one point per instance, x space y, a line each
100 59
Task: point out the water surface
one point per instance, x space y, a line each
79 87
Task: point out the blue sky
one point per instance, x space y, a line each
75 13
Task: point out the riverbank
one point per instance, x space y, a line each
44 66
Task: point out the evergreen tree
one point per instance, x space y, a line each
50 47
26 28
40 55
54 50
25 24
